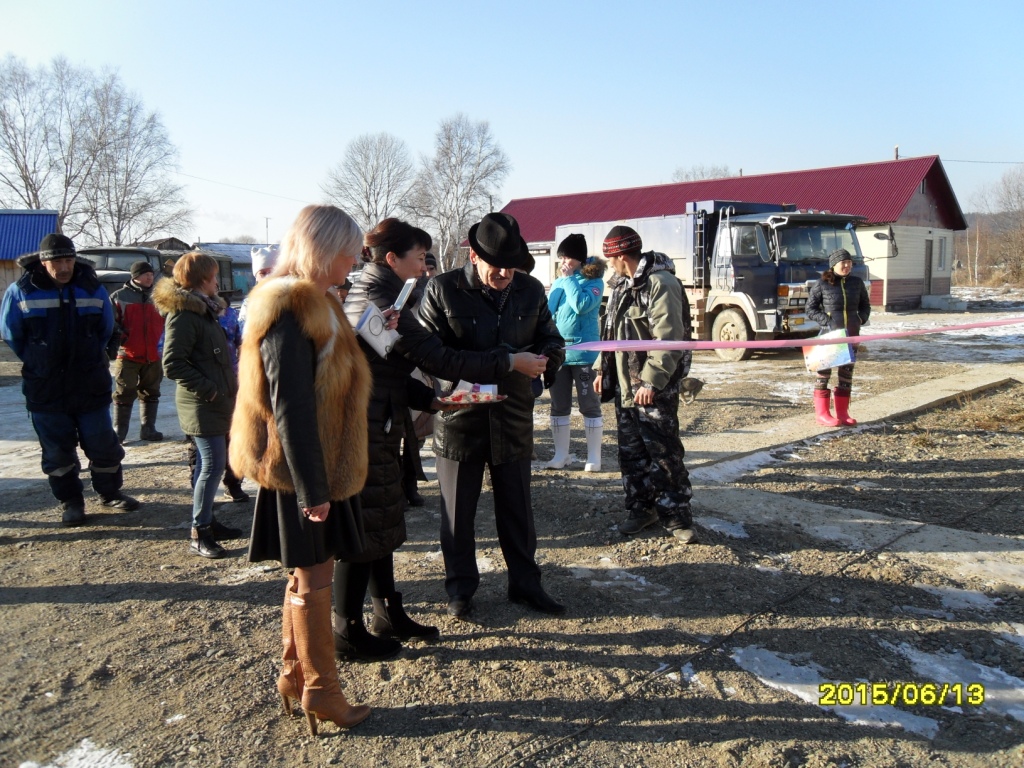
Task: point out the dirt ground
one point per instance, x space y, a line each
114 633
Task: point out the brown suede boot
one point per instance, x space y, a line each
322 698
290 683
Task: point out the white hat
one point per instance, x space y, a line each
263 258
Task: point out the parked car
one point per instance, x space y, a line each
113 262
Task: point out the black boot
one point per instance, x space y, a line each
204 545
73 512
391 620
122 418
353 643
148 417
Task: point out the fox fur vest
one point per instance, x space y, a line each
342 390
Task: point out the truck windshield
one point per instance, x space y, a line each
814 242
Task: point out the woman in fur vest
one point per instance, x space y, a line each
575 301
299 431
396 251
839 300
196 356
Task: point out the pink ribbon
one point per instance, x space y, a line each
653 345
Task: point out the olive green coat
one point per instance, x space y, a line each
196 356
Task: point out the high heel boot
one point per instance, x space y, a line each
322 698
391 620
290 683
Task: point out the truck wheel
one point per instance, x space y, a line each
730 325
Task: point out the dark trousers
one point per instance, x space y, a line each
352 579
651 460
460 483
60 434
140 380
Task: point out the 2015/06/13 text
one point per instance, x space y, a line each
908 694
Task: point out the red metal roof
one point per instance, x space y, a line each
878 191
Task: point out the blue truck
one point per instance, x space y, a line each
746 267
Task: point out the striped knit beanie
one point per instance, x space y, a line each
622 241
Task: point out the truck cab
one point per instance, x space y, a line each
762 268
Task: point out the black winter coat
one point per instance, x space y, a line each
460 310
394 390
843 304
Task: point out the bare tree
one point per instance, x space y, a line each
700 172
83 146
1009 195
131 193
25 167
243 239
459 183
373 178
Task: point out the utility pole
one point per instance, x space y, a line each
266 220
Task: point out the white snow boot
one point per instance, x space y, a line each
560 432
595 431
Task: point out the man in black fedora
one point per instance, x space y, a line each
485 305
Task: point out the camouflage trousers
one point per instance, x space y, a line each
651 459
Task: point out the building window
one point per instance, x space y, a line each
942 253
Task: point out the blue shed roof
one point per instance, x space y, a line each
21 231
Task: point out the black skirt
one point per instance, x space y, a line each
281 532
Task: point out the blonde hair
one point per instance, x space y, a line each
320 233
193 269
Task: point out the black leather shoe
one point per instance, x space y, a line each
121 501
537 599
73 513
460 607
414 498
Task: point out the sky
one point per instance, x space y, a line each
262 98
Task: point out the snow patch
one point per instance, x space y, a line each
87 755
1004 693
777 671
954 598
724 527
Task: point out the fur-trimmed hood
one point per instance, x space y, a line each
170 297
594 267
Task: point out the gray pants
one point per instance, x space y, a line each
561 391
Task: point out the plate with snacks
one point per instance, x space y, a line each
469 397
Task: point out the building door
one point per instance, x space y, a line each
927 267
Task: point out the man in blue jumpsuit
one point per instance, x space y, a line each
58 318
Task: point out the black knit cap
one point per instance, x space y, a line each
574 246
622 241
839 254
56 246
140 268
430 261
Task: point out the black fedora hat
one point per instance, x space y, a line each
496 240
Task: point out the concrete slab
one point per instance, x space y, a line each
705 450
990 558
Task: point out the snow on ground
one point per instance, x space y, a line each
1003 693
87 755
779 671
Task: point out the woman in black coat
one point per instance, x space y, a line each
395 252
839 300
